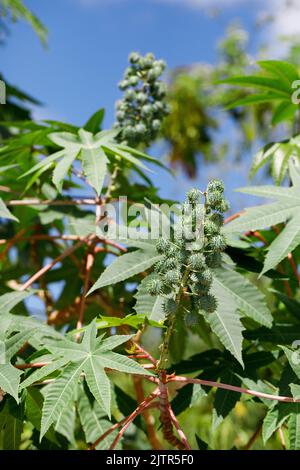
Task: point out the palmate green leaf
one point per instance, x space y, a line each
11 299
94 163
225 400
293 357
89 357
248 299
94 422
126 266
5 213
282 69
259 98
10 379
33 409
94 123
65 424
279 155
285 209
59 395
146 304
294 428
275 418
12 433
43 372
256 81
62 169
225 321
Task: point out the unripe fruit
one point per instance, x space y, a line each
210 228
169 263
214 260
123 84
163 245
134 80
196 261
141 97
208 303
215 185
154 286
217 219
171 277
156 124
193 196
215 199
134 57
205 277
129 95
146 110
217 243
140 128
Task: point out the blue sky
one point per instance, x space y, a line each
89 41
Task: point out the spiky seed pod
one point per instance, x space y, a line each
200 290
154 286
172 251
159 266
193 196
210 228
196 261
162 245
217 219
205 277
166 289
215 185
215 200
217 243
208 303
170 306
134 57
169 263
213 260
171 278
224 206
144 101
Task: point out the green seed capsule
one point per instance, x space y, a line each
193 196
163 245
213 260
196 261
171 278
205 277
217 243
208 303
154 286
215 185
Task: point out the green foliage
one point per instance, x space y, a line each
192 302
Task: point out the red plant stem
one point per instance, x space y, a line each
12 242
165 416
147 416
179 430
142 407
50 265
88 266
233 388
31 366
107 433
254 437
145 353
233 217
